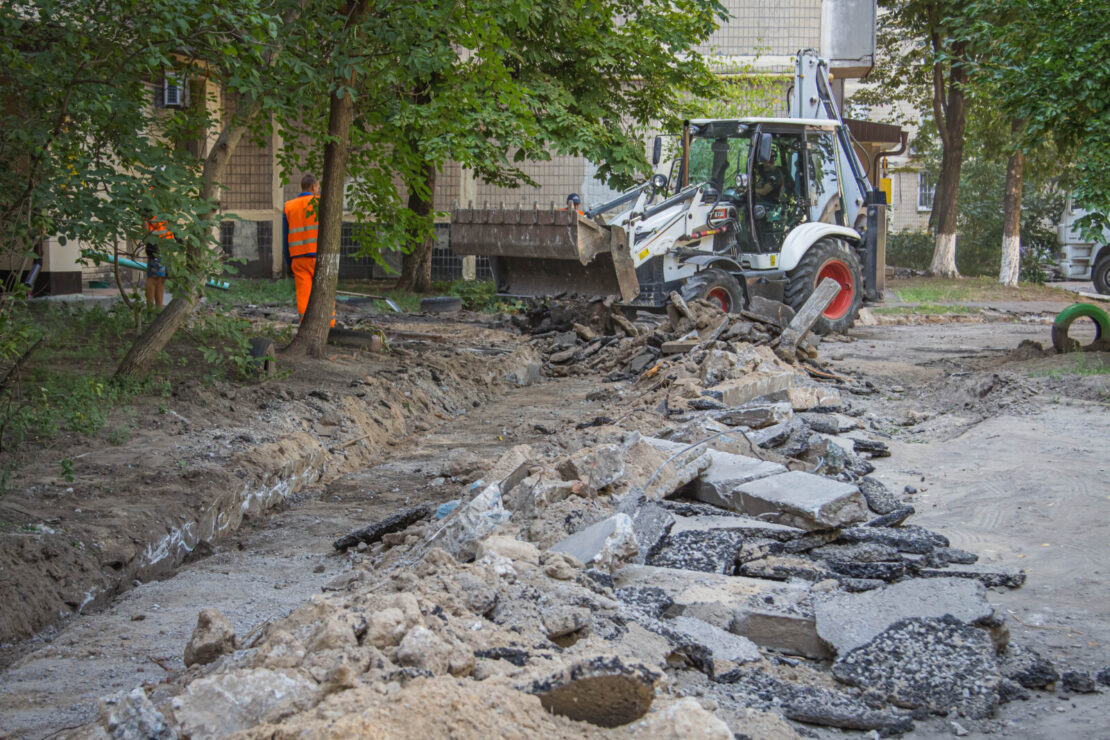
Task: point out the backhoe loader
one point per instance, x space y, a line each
751 206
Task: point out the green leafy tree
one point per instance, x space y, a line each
488 85
576 78
1048 66
86 155
924 62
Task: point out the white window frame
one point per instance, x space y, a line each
174 81
926 192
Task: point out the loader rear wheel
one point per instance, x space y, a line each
715 286
833 259
1100 276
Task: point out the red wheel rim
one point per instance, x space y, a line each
839 272
721 297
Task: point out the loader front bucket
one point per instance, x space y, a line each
549 252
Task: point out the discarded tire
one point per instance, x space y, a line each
715 286
828 258
1062 325
441 304
263 356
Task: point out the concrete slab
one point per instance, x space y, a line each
742 390
847 621
722 645
605 544
771 614
718 484
803 500
756 415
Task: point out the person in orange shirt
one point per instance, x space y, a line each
299 232
155 268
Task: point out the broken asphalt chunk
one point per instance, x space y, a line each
395 523
604 691
938 664
989 577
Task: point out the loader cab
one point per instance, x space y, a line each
768 176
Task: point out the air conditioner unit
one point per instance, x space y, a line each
174 92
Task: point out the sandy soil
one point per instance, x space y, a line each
1005 447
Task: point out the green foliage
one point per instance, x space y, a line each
980 225
224 343
67 469
910 248
66 385
1048 67
259 292
83 148
481 295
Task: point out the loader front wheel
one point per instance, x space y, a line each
717 287
833 259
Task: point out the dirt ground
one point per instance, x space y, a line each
1004 446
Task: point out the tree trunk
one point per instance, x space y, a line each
148 345
312 335
1010 270
950 110
416 265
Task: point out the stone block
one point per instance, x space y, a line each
677 466
741 390
718 484
597 466
214 636
803 396
605 544
803 500
756 415
723 646
770 614
847 621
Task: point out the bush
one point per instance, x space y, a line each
910 248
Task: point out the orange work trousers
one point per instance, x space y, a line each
303 268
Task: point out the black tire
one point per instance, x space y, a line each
441 304
716 286
828 258
264 356
1100 275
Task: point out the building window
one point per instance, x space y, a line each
925 192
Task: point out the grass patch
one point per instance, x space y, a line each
962 290
925 309
244 291
1083 363
477 295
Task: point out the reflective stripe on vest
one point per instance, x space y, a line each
158 228
302 226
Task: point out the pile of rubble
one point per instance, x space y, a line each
730 572
598 336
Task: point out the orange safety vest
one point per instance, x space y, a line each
302 226
158 228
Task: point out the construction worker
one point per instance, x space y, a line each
155 268
573 202
299 230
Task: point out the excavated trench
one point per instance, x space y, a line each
262 568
